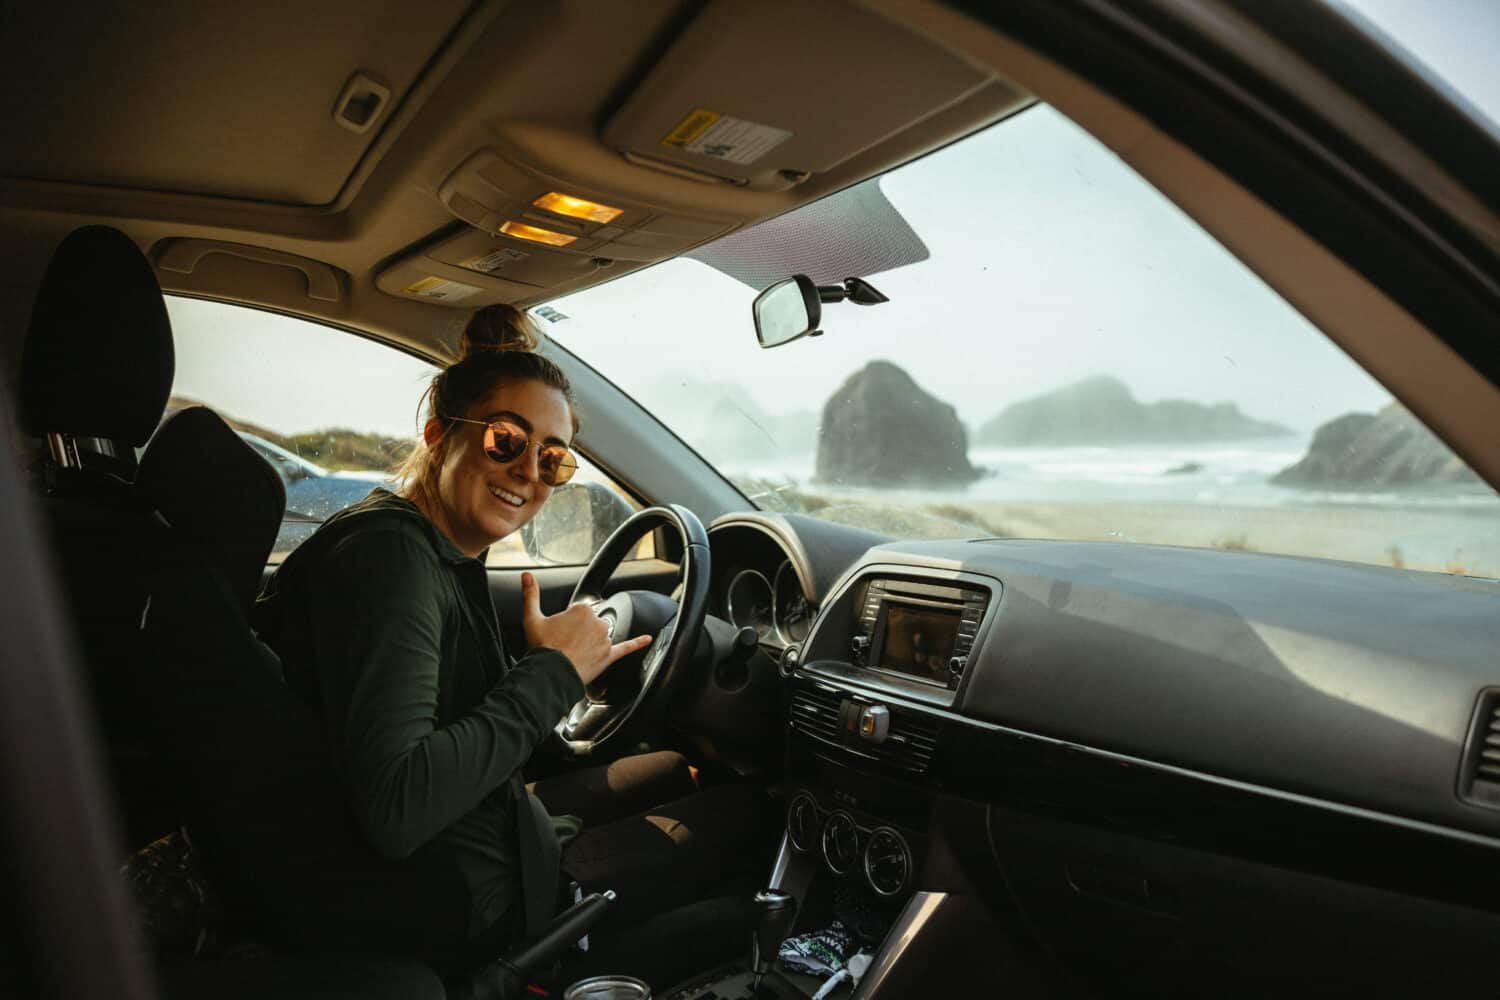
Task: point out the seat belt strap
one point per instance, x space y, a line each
541 858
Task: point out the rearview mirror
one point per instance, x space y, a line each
786 311
793 308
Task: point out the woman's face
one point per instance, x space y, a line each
479 500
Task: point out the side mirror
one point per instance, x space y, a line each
786 311
573 523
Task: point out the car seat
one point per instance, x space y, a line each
96 370
246 758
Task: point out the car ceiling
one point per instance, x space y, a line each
207 132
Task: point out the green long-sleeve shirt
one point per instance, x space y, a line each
390 630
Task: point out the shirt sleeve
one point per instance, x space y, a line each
377 618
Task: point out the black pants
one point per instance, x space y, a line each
662 844
654 838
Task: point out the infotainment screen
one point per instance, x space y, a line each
919 640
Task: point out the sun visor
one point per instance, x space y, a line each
766 94
854 233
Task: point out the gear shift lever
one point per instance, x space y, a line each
774 911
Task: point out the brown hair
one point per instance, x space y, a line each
498 346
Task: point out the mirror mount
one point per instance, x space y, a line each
792 308
856 290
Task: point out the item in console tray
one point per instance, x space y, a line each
819 953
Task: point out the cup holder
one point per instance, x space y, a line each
608 988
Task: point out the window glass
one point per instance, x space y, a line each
1064 354
335 414
1453 41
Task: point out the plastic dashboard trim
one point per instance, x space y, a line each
1344 809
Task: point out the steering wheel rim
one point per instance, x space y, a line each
591 722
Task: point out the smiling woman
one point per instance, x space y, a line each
384 621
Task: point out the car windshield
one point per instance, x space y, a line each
1064 354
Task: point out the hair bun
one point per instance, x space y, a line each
498 328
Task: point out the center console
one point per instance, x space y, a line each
916 631
870 694
900 631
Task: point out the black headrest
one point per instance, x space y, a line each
216 493
98 360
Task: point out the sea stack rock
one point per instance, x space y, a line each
1364 451
1101 410
881 429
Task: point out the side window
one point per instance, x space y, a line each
572 524
335 414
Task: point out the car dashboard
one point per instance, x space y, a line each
1142 755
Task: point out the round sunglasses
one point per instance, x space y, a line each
506 441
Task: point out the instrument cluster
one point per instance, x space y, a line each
774 606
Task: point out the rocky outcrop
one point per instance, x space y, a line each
881 429
1101 410
1364 451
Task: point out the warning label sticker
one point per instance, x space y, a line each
495 260
722 137
441 289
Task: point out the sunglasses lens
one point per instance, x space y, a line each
503 442
556 465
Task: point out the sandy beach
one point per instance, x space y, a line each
1441 539
1444 540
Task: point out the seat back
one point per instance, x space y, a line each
96 370
246 757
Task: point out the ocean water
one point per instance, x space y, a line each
1223 474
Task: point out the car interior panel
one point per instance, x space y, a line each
1009 677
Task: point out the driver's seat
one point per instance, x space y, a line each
245 757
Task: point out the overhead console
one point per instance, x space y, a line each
530 232
735 120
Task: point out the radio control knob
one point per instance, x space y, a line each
956 665
859 646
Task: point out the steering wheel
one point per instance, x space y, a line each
615 695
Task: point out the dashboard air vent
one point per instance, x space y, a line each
1479 781
816 713
911 742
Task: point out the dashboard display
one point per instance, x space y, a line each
919 640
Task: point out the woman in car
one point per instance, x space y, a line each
383 620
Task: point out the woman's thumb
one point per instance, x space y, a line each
531 598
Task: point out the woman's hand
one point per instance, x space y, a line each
577 633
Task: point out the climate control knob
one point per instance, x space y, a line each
840 843
887 862
802 817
